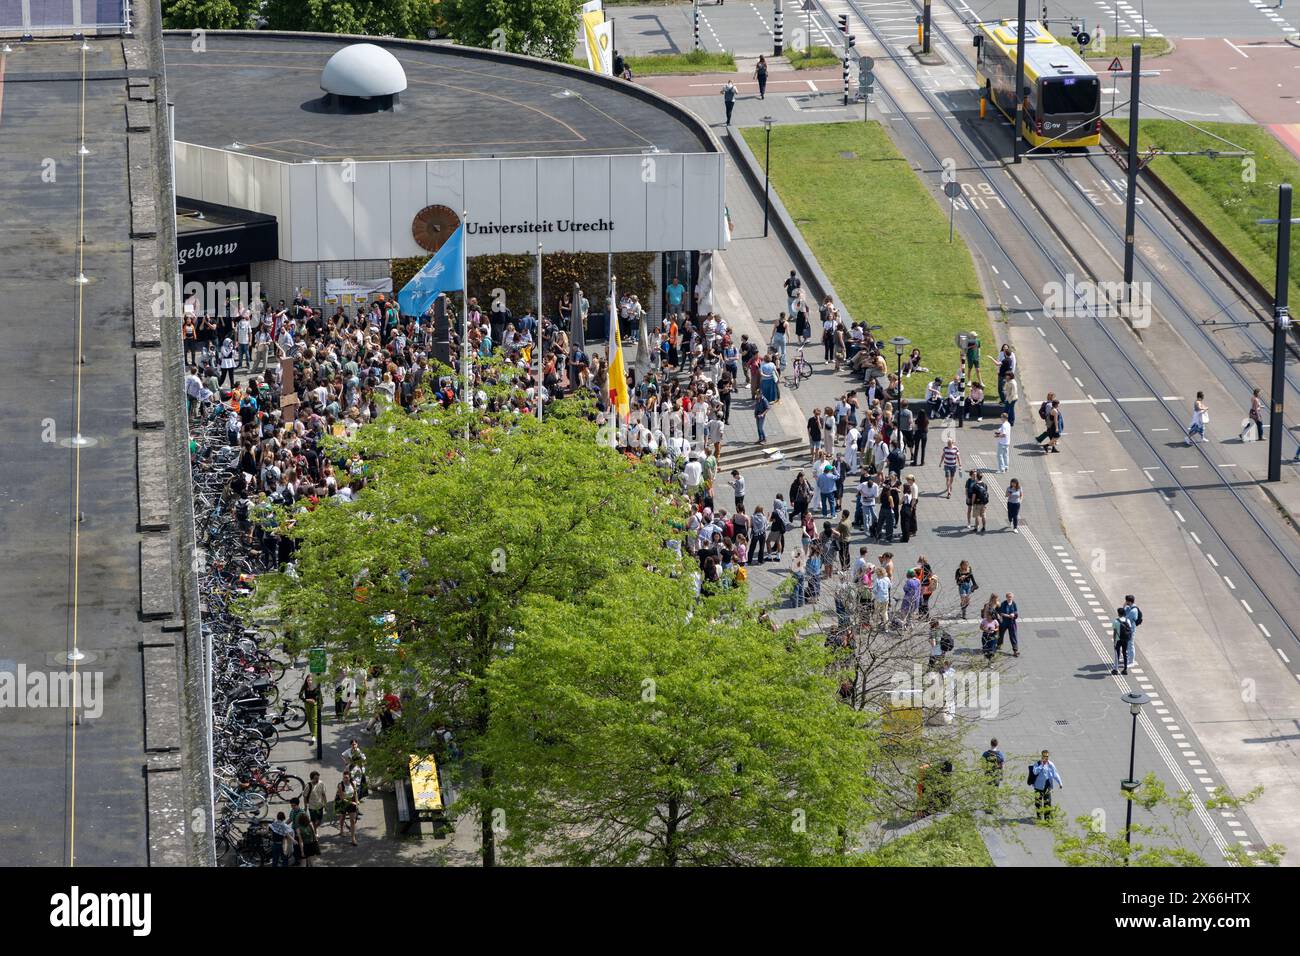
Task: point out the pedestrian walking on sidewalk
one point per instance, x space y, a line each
1134 614
1122 633
966 584
951 461
1254 417
989 627
345 806
920 436
814 435
1008 615
1004 444
306 845
738 488
1044 778
1200 418
761 406
309 694
800 496
282 844
316 800
760 74
1015 497
729 99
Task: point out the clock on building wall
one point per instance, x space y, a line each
432 226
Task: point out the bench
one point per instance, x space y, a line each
426 805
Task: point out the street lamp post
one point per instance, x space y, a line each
1135 701
900 343
1281 323
767 165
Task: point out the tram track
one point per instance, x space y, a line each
1238 532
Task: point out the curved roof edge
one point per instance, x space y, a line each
700 128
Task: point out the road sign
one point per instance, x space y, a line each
316 659
1084 39
868 61
1115 66
952 190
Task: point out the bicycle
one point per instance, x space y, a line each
800 368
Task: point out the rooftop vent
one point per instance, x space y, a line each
362 77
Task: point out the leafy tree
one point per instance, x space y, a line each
398 18
644 726
445 547
542 28
1169 843
208 14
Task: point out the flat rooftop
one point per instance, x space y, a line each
60 787
263 91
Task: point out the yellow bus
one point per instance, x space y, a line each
1062 93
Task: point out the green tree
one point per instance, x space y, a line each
445 547
398 18
542 28
1171 842
645 727
208 14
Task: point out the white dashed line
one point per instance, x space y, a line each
1208 557
1177 513
1078 381
1229 582
1249 609
1104 418
1280 652
1194 537
1065 365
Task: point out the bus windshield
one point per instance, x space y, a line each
1070 94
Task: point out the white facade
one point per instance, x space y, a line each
364 210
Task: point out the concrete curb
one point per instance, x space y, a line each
819 284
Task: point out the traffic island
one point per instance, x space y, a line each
932 58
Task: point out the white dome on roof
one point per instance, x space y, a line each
363 69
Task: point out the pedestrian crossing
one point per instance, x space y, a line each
1125 18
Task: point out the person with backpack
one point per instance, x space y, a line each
1122 629
1044 778
1043 410
1134 614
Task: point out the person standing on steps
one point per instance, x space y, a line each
761 406
760 74
729 99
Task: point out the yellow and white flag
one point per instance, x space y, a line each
600 42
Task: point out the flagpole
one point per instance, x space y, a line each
613 344
464 318
538 346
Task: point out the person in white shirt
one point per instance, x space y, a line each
851 448
692 474
1004 443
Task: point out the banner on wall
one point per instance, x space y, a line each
355 291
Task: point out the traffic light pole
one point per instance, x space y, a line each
1130 203
1281 323
925 28
1020 81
